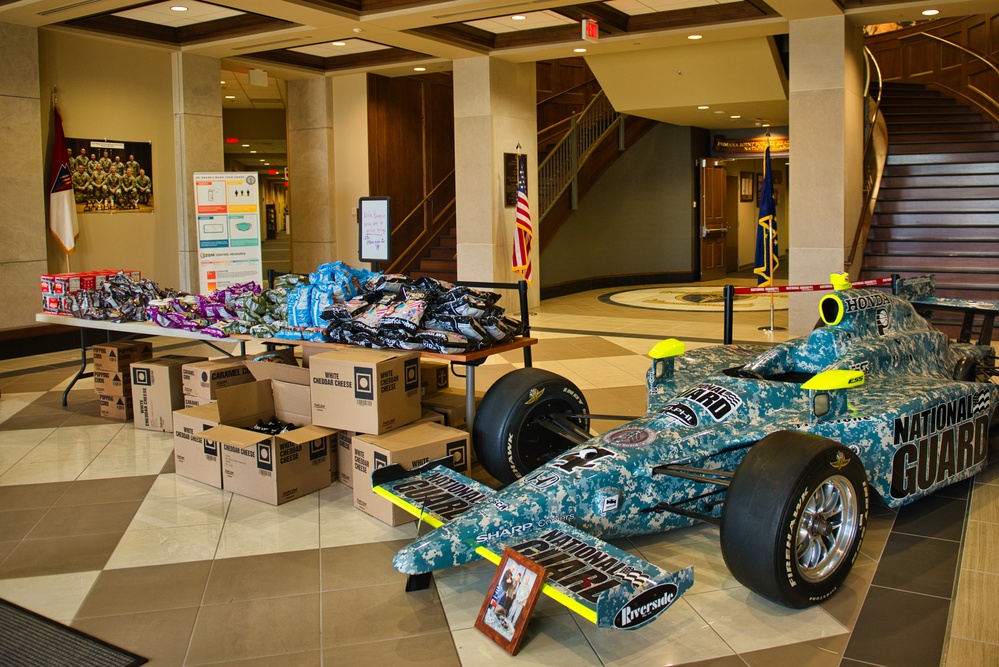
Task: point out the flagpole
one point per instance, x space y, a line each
771 249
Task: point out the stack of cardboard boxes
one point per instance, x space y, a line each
353 410
373 398
157 390
112 380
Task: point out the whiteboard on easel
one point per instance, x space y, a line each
373 216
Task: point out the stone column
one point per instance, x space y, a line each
826 154
311 172
197 114
22 190
494 110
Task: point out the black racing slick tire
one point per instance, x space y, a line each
794 518
506 433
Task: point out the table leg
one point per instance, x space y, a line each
469 396
83 367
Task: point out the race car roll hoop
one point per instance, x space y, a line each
729 292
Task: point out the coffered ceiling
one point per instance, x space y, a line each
637 39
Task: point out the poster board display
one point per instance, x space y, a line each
228 219
374 216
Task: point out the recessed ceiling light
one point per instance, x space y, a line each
253 151
766 125
694 36
419 69
222 82
230 97
719 112
735 117
178 8
518 17
261 159
245 145
579 50
339 43
930 12
267 164
704 106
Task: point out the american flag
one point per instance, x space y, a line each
525 233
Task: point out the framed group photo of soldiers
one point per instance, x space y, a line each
111 176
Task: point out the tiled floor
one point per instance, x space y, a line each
97 531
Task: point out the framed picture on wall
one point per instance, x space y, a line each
745 186
778 176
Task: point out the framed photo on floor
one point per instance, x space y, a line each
513 592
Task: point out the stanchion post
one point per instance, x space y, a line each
728 291
525 320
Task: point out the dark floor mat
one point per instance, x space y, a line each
28 639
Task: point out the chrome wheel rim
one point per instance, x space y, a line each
827 529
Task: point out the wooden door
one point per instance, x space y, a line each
714 224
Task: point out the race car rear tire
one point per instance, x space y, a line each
506 435
794 518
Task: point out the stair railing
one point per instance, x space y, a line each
875 156
559 171
433 214
969 60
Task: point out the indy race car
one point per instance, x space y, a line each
781 447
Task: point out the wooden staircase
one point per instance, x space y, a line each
938 207
440 260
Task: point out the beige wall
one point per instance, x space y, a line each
110 89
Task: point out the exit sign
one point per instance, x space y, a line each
591 31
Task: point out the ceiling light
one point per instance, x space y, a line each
518 17
222 82
766 124
694 36
267 164
419 69
735 117
704 106
253 151
339 43
930 12
261 159
719 112
230 97
178 8
245 145
579 50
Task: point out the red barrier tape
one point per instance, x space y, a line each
808 288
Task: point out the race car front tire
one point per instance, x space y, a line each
506 434
794 518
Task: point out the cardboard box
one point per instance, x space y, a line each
117 356
364 390
204 378
195 401
273 469
116 407
157 391
193 456
451 404
411 446
345 457
112 383
434 376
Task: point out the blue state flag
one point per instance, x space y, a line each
766 232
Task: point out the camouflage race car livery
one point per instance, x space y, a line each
780 446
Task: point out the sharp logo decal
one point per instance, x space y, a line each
534 396
645 606
585 458
938 443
